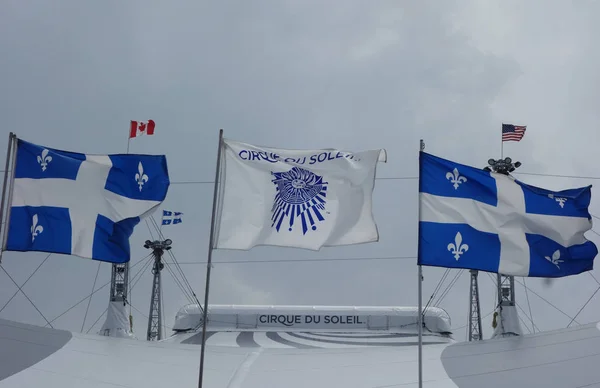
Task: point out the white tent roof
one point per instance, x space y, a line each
34 356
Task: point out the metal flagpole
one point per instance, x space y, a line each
129 137
10 194
4 184
209 261
501 144
420 282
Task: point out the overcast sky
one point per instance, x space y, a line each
344 74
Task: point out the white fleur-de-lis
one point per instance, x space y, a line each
44 159
35 228
140 177
455 178
555 259
457 248
561 201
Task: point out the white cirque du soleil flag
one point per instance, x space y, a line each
295 198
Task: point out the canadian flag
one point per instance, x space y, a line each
141 128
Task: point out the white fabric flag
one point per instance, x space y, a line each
295 198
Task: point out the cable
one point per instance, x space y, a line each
482 318
415 177
545 300
523 322
586 303
556 175
23 292
90 300
530 319
150 231
89 296
23 285
298 260
96 321
447 290
437 288
529 304
140 272
212 182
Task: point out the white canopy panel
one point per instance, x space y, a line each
33 356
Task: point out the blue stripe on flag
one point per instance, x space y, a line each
147 171
438 247
33 162
447 179
571 202
546 262
111 240
51 232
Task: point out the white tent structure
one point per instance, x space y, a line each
255 346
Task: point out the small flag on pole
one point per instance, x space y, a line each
139 128
295 198
171 218
513 132
475 219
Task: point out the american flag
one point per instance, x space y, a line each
513 132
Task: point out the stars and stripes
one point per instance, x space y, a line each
513 132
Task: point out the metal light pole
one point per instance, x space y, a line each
155 316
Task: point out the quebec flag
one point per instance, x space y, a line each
171 218
80 204
295 198
473 219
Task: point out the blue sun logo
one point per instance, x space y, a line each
300 195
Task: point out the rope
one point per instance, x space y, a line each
545 300
299 260
96 321
23 292
449 287
529 305
90 300
23 285
89 296
582 307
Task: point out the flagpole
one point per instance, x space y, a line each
129 136
10 194
501 144
420 282
209 261
7 165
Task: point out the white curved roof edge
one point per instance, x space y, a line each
38 356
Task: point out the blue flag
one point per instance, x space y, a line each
171 218
82 205
473 219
